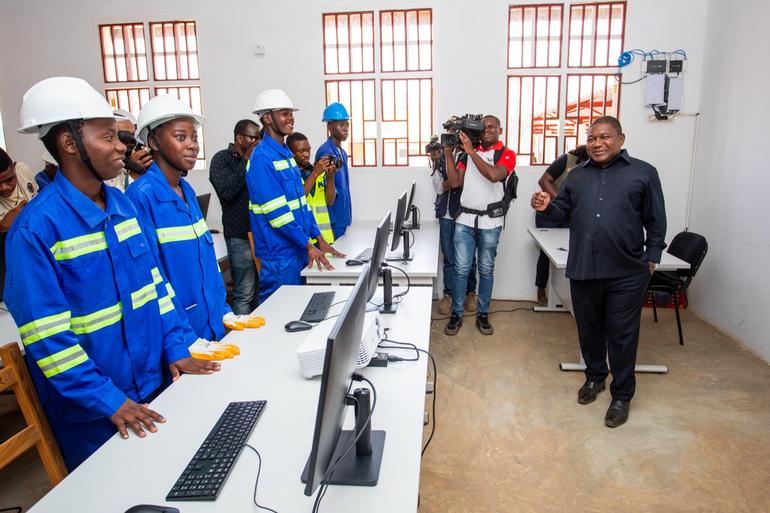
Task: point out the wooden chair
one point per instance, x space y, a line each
257 261
14 375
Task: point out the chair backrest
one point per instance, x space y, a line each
690 247
14 376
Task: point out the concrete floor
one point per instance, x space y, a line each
512 438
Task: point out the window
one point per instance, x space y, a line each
588 97
348 42
132 75
596 34
391 106
406 40
548 111
534 36
359 96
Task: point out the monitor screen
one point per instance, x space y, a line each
410 204
203 203
398 222
342 349
378 255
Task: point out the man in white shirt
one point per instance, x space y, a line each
482 176
17 188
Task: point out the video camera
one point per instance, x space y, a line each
131 145
433 145
471 124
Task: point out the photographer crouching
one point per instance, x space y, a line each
447 204
483 173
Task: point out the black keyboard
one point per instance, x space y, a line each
365 255
204 476
317 307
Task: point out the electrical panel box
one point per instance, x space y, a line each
656 66
675 66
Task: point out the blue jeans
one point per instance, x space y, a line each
446 235
467 242
245 298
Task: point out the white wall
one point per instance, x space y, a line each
470 76
730 206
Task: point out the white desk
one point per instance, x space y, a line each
555 243
422 270
127 472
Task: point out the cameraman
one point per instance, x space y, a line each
447 203
480 174
137 158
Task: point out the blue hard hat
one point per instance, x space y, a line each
335 112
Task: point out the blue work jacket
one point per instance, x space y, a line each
179 236
93 308
281 221
341 212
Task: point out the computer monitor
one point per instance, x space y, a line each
398 222
411 209
203 203
400 232
378 255
361 465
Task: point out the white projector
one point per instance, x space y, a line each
312 351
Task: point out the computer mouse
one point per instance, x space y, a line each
151 508
293 326
353 262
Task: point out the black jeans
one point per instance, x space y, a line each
608 313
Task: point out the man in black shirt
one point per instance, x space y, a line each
610 202
227 173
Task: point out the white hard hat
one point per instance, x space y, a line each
58 99
124 115
161 109
272 99
48 159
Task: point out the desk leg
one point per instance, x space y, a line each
555 303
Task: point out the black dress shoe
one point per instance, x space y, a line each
588 392
617 413
453 326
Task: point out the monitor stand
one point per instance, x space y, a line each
360 467
415 220
405 256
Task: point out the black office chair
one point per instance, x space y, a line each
691 248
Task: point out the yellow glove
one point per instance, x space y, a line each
240 322
207 350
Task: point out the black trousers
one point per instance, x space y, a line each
608 313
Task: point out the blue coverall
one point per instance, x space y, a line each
94 311
179 235
282 223
341 212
